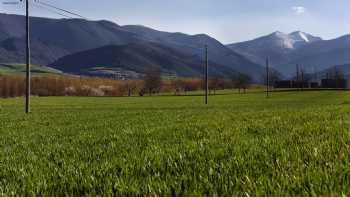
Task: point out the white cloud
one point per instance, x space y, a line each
299 10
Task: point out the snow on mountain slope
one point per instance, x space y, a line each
292 40
277 46
300 38
304 37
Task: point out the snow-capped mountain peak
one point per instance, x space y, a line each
304 37
292 40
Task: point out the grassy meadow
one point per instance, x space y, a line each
18 69
292 144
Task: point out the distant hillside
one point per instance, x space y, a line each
55 38
137 58
342 69
278 46
194 45
72 35
320 55
285 51
13 50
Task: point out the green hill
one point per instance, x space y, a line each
21 69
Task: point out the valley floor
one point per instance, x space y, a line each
295 143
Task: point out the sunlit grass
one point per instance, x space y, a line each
21 69
295 143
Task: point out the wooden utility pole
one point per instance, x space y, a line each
27 107
206 74
267 78
297 76
302 78
316 74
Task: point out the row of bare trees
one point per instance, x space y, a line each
153 83
54 85
57 85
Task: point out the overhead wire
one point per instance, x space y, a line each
59 9
49 7
51 10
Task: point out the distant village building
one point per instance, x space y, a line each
169 75
284 84
125 75
334 83
314 85
295 84
325 83
114 73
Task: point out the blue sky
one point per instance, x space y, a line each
226 20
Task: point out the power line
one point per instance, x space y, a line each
51 10
48 7
60 9
10 3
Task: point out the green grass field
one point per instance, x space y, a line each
21 69
295 143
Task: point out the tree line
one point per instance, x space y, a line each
152 83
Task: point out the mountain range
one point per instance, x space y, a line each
86 47
277 46
53 39
136 57
285 51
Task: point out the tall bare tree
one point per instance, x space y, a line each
241 81
152 80
273 77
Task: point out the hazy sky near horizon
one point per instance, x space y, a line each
226 20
